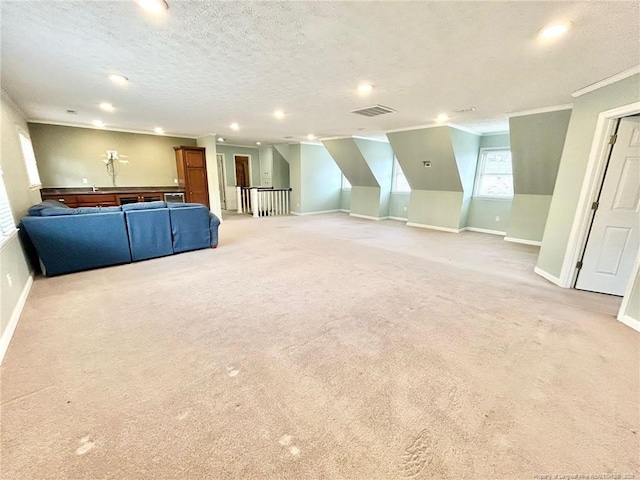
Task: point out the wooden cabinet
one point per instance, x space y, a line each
105 198
192 174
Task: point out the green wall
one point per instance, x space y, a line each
435 208
536 148
230 166
293 154
484 211
13 261
633 305
66 155
280 172
379 158
573 163
399 205
347 155
320 180
345 200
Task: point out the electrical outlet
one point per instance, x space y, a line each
405 209
175 180
9 280
497 218
85 180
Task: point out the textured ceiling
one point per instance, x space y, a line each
204 65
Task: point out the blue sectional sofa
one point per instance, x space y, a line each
73 239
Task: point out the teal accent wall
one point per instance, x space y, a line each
345 200
368 166
413 147
280 172
399 205
483 211
229 151
379 158
536 147
347 155
466 147
573 163
320 180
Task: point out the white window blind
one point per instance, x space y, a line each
29 160
494 178
7 224
400 183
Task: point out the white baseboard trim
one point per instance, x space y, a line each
319 212
368 217
486 230
402 219
5 340
630 322
547 276
535 243
345 210
434 227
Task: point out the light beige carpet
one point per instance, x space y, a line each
321 348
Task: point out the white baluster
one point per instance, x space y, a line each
254 202
239 199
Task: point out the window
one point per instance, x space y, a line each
400 184
494 177
345 183
7 224
29 160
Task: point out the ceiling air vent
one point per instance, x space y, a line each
374 111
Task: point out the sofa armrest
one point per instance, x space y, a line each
214 223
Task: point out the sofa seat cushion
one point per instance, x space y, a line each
190 228
144 206
149 233
79 242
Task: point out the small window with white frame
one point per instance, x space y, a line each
346 185
29 157
7 224
494 176
400 183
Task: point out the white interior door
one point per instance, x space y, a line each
614 238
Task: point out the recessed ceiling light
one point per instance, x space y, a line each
107 107
153 6
220 139
443 117
311 136
118 79
234 126
159 130
279 114
365 89
98 123
554 30
258 143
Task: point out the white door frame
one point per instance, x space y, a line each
593 179
250 169
224 177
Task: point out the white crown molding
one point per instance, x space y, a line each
225 144
317 144
417 127
607 81
13 104
535 111
111 129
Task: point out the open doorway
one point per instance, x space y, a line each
243 170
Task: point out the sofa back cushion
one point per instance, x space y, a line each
149 233
190 228
56 212
36 210
144 206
